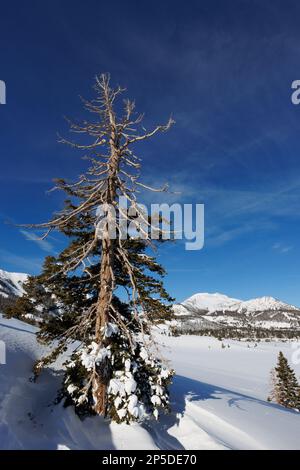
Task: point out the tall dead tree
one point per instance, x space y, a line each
114 171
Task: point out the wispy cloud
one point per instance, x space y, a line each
282 248
43 244
22 263
231 213
26 179
224 235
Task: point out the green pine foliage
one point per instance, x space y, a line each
138 382
285 386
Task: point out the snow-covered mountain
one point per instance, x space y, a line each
210 303
219 309
11 283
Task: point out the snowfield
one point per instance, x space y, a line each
218 400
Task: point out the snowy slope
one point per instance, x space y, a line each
210 302
218 401
11 283
262 304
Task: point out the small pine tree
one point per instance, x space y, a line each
285 387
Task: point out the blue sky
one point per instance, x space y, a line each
223 69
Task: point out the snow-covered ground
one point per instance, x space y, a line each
218 400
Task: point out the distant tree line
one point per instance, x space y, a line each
241 333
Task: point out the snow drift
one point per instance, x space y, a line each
218 400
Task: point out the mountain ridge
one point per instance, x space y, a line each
219 309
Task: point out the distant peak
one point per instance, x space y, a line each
210 301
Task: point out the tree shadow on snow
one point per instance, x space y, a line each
186 390
17 329
65 430
182 390
34 421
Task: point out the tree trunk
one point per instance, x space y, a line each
105 296
106 285
106 277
